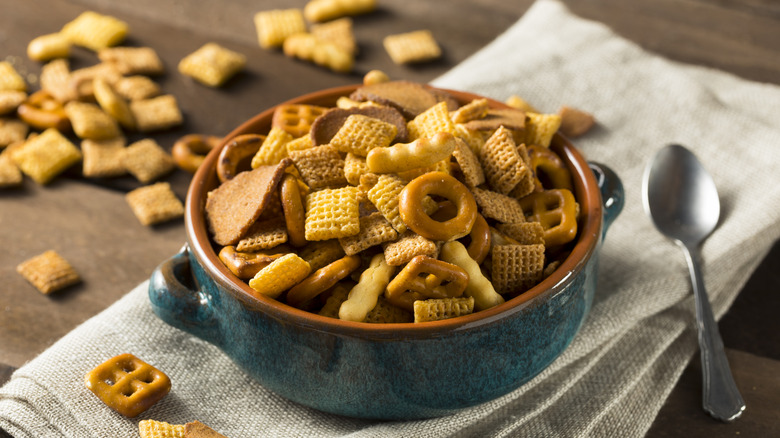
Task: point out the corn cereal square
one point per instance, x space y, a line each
48 272
160 429
133 60
412 47
146 160
431 121
212 64
273 149
359 134
331 214
384 195
103 158
95 31
10 79
157 113
46 156
90 121
540 128
155 203
322 253
280 275
274 26
354 167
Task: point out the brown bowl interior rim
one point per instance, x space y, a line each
588 194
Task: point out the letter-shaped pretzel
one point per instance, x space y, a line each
556 210
425 277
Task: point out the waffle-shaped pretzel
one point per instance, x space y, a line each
425 277
43 111
240 148
321 280
292 204
127 384
547 165
246 265
556 210
190 151
410 206
296 118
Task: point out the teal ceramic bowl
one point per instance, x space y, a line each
384 371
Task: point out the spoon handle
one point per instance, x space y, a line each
721 397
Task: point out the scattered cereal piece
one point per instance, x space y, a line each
540 128
133 60
95 31
196 429
412 47
112 103
274 26
332 213
137 88
55 79
325 10
103 158
155 203
90 121
127 384
10 100
437 309
146 160
10 79
47 47
81 80
338 32
46 156
282 274
574 122
212 64
11 131
160 429
516 268
156 114
360 134
308 47
48 272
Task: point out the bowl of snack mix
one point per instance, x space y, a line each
390 250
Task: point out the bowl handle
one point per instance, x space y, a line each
612 194
178 301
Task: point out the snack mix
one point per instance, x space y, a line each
399 204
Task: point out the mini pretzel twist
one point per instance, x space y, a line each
190 151
553 170
425 277
240 148
292 205
321 280
422 152
43 111
410 205
556 210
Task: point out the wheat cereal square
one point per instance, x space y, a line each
473 175
320 167
46 156
12 130
412 47
374 230
408 246
133 60
155 203
212 64
48 272
437 309
95 31
331 214
103 158
525 233
501 161
146 160
274 26
359 134
263 235
386 313
156 114
497 206
90 121
322 253
137 87
516 268
55 79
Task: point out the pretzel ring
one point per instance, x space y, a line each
425 277
437 183
556 210
240 148
190 151
479 248
43 111
246 265
321 280
292 205
553 170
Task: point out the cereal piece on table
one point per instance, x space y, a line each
46 156
282 274
196 429
354 167
55 79
273 149
473 175
337 296
274 26
95 31
11 131
574 122
236 204
155 203
431 121
338 32
540 128
133 60
146 160
325 10
90 121
437 309
407 247
48 272
384 195
412 47
103 158
509 118
299 144
497 206
81 80
363 297
501 161
156 114
525 233
320 167
47 47
476 109
360 134
516 268
308 47
137 88
322 253
332 213
518 102
296 119
10 175
127 384
374 230
212 64
10 79
10 100
160 429
386 313
112 103
263 235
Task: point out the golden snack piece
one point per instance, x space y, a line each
296 119
10 79
496 206
332 213
338 32
516 268
375 77
246 265
437 183
41 110
354 167
48 47
325 10
46 156
518 102
503 166
95 31
425 277
133 60
320 167
212 64
437 309
384 194
236 151
359 134
324 53
12 131
556 210
292 205
408 246
190 150
10 100
321 280
412 47
154 204
273 149
280 275
575 122
48 272
10 175
55 80
81 81
364 296
540 128
432 121
137 88
299 144
112 103
103 158
476 109
263 234
548 166
274 26
90 121
322 253
422 152
127 384
146 160
468 164
156 114
160 429
386 313
478 287
526 233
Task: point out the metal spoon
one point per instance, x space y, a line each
682 200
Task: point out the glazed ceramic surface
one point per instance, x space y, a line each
385 371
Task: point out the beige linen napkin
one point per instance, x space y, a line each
640 333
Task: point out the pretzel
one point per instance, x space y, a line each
127 384
556 210
479 287
43 111
479 248
422 152
425 277
296 118
554 171
246 265
364 296
293 210
437 183
190 151
240 148
321 280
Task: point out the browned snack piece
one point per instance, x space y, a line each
196 429
43 111
238 150
320 167
246 265
190 151
425 277
235 205
574 122
327 125
410 98
509 118
48 272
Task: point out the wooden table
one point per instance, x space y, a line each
91 225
